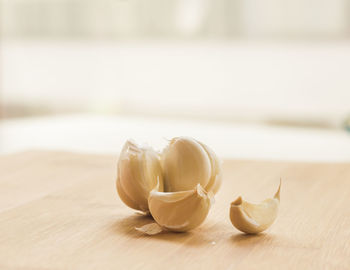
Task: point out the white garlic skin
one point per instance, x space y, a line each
187 163
139 171
180 211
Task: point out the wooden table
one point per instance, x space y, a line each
61 211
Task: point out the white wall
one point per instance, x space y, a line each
232 80
175 18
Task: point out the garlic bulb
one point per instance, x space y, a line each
139 171
180 211
179 201
186 163
254 218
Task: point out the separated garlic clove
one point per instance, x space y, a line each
254 218
186 163
139 171
180 211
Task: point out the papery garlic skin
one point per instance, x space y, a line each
254 218
186 163
150 228
180 211
139 171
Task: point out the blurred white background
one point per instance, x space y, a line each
254 79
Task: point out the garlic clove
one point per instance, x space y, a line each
216 170
125 198
180 211
254 218
185 164
139 171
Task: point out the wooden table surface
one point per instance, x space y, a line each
61 211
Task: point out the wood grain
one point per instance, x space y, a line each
61 211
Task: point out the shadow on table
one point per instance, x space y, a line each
198 237
127 226
251 239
